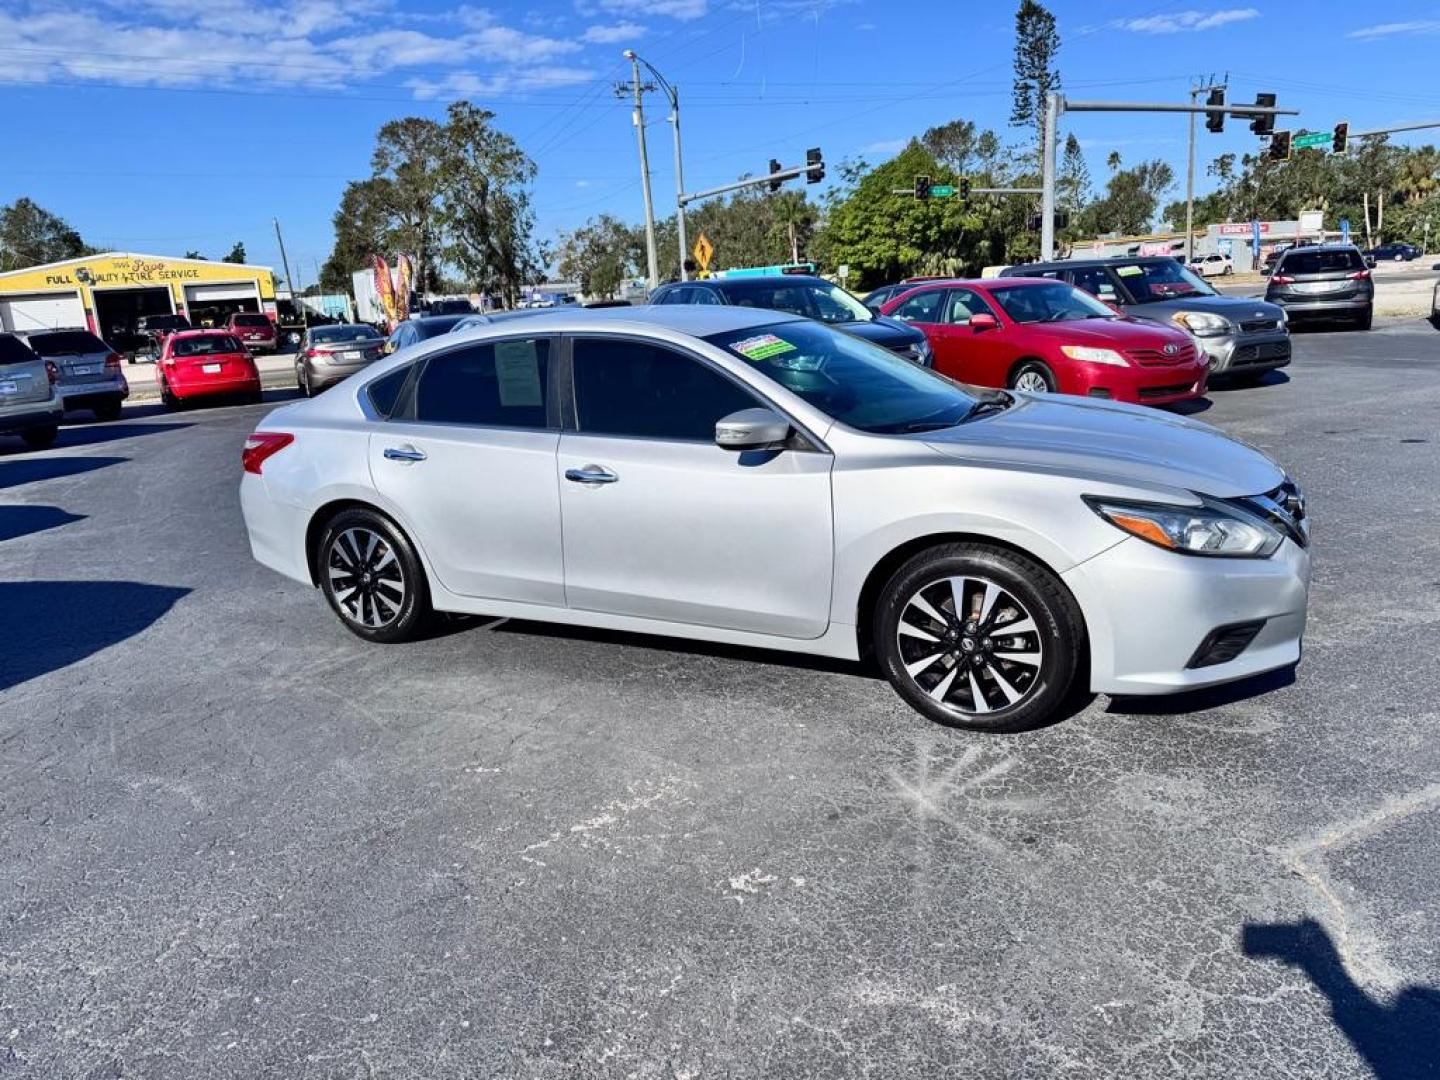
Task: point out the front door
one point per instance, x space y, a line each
471 459
967 353
660 523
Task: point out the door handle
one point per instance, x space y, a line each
403 453
591 474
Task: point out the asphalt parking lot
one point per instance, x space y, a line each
238 842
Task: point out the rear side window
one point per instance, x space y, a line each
644 391
500 384
1321 262
924 308
67 343
385 391
14 351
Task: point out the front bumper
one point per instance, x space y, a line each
1148 610
1137 384
1229 353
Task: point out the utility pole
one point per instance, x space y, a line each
1054 104
1195 92
673 94
639 88
290 281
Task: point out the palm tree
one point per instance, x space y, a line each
793 214
1418 175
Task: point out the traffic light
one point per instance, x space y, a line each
1264 123
814 166
964 189
774 168
1215 117
1279 146
922 187
1341 139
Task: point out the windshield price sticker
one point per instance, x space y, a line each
1129 271
762 347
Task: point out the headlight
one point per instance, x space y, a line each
921 352
1201 323
1094 356
1210 529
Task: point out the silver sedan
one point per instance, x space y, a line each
735 475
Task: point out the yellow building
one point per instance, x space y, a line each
108 293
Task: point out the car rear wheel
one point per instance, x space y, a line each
372 577
303 381
1034 377
41 438
979 637
1365 321
167 397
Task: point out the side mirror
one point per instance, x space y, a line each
752 429
984 321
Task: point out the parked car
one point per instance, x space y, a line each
328 354
1213 265
875 299
1324 282
1045 336
30 406
1242 338
490 318
197 364
754 478
89 370
152 330
1435 302
1395 252
413 331
800 294
255 331
450 307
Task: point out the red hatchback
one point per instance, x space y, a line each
206 363
1045 336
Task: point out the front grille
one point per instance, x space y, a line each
1260 353
1258 326
1284 507
1164 391
1225 643
1158 358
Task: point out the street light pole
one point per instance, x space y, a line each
1190 186
1054 105
652 270
673 94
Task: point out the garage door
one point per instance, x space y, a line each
41 311
199 294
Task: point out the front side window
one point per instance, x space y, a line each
850 380
497 384
635 389
923 308
1096 281
962 304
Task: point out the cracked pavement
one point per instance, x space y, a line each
239 842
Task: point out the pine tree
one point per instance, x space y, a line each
1036 77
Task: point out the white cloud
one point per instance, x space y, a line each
1181 21
885 146
467 84
1415 26
613 33
684 10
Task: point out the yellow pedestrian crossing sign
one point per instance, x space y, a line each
703 251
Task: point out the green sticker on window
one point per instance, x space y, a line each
762 347
1129 271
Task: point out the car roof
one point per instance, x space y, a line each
697 320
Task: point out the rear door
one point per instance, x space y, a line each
469 457
922 311
23 379
661 523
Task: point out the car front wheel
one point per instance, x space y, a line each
1034 377
979 637
41 438
372 577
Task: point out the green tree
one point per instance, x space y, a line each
30 235
407 156
1036 77
237 253
362 229
193 254
793 219
1131 199
600 255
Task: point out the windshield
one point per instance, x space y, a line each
209 345
67 343
1052 302
323 334
812 299
850 380
1163 279
251 320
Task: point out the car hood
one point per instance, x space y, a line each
1110 333
1111 442
1234 308
891 333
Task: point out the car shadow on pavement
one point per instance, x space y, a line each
1399 1040
1211 697
49 625
18 521
1191 407
35 469
92 434
1273 377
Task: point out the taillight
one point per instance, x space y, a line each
1281 279
52 372
312 353
112 363
1360 275
261 446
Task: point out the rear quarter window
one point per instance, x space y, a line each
384 392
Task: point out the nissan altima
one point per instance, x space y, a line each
738 475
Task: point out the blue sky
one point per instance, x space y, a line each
159 125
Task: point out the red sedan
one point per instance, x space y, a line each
1045 336
206 363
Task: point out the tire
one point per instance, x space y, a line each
1030 371
303 381
108 411
378 611
1365 321
41 438
167 399
1016 691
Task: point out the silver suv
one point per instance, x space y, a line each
29 404
89 370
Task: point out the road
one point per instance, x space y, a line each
238 842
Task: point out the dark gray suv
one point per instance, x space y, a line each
1243 338
1324 282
